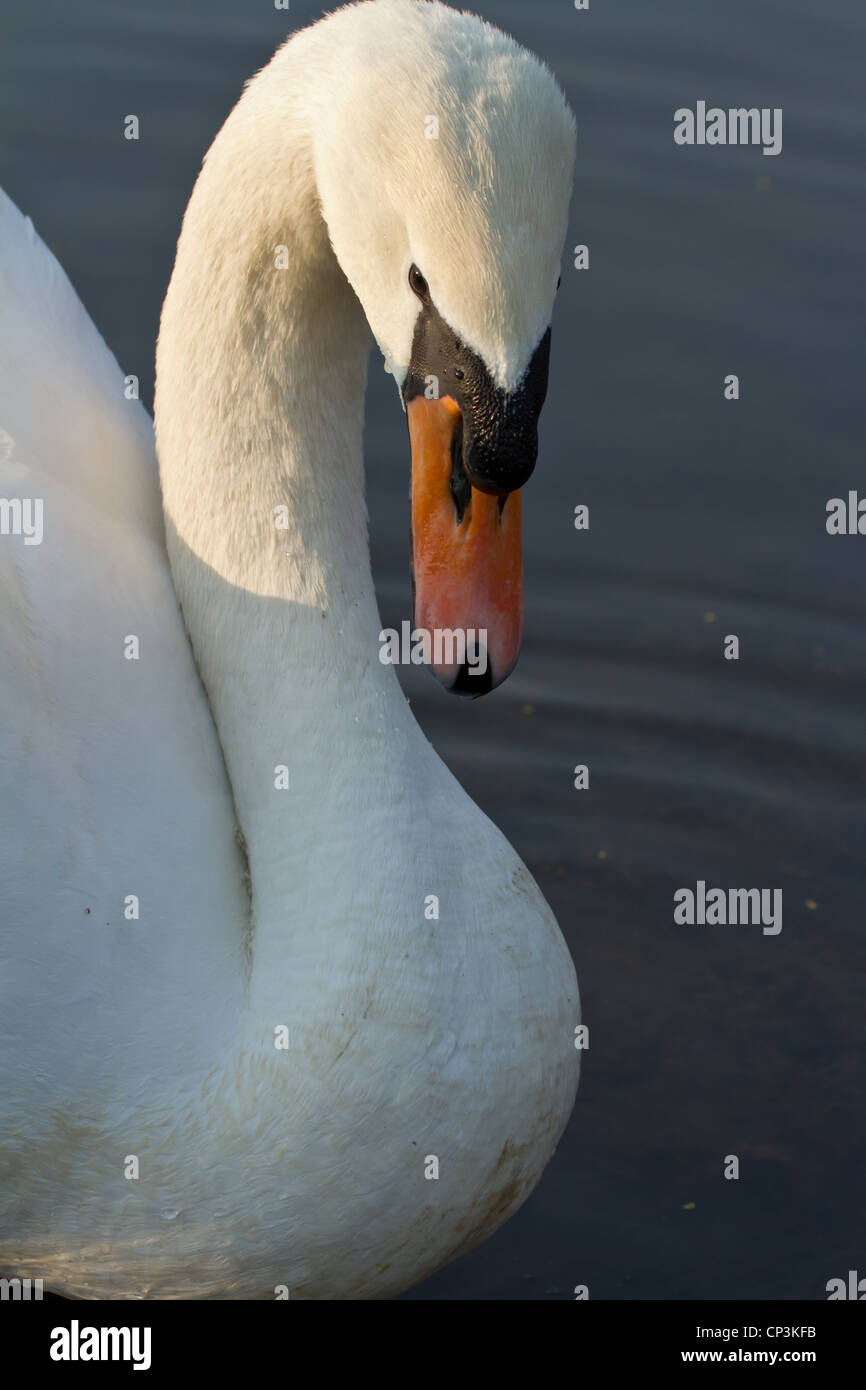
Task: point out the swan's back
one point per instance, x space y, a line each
112 786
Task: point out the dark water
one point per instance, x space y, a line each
705 1041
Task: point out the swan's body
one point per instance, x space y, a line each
408 1037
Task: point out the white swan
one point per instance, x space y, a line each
157 1138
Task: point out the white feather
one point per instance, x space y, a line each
154 1037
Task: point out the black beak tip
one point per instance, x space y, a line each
470 683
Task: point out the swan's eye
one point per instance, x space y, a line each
559 282
419 285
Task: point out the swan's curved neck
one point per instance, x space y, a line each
261 371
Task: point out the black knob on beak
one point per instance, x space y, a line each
499 428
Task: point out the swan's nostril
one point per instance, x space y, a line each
461 487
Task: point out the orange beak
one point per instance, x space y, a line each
468 569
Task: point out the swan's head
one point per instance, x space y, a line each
443 156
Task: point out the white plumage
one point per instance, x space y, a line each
154 1037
